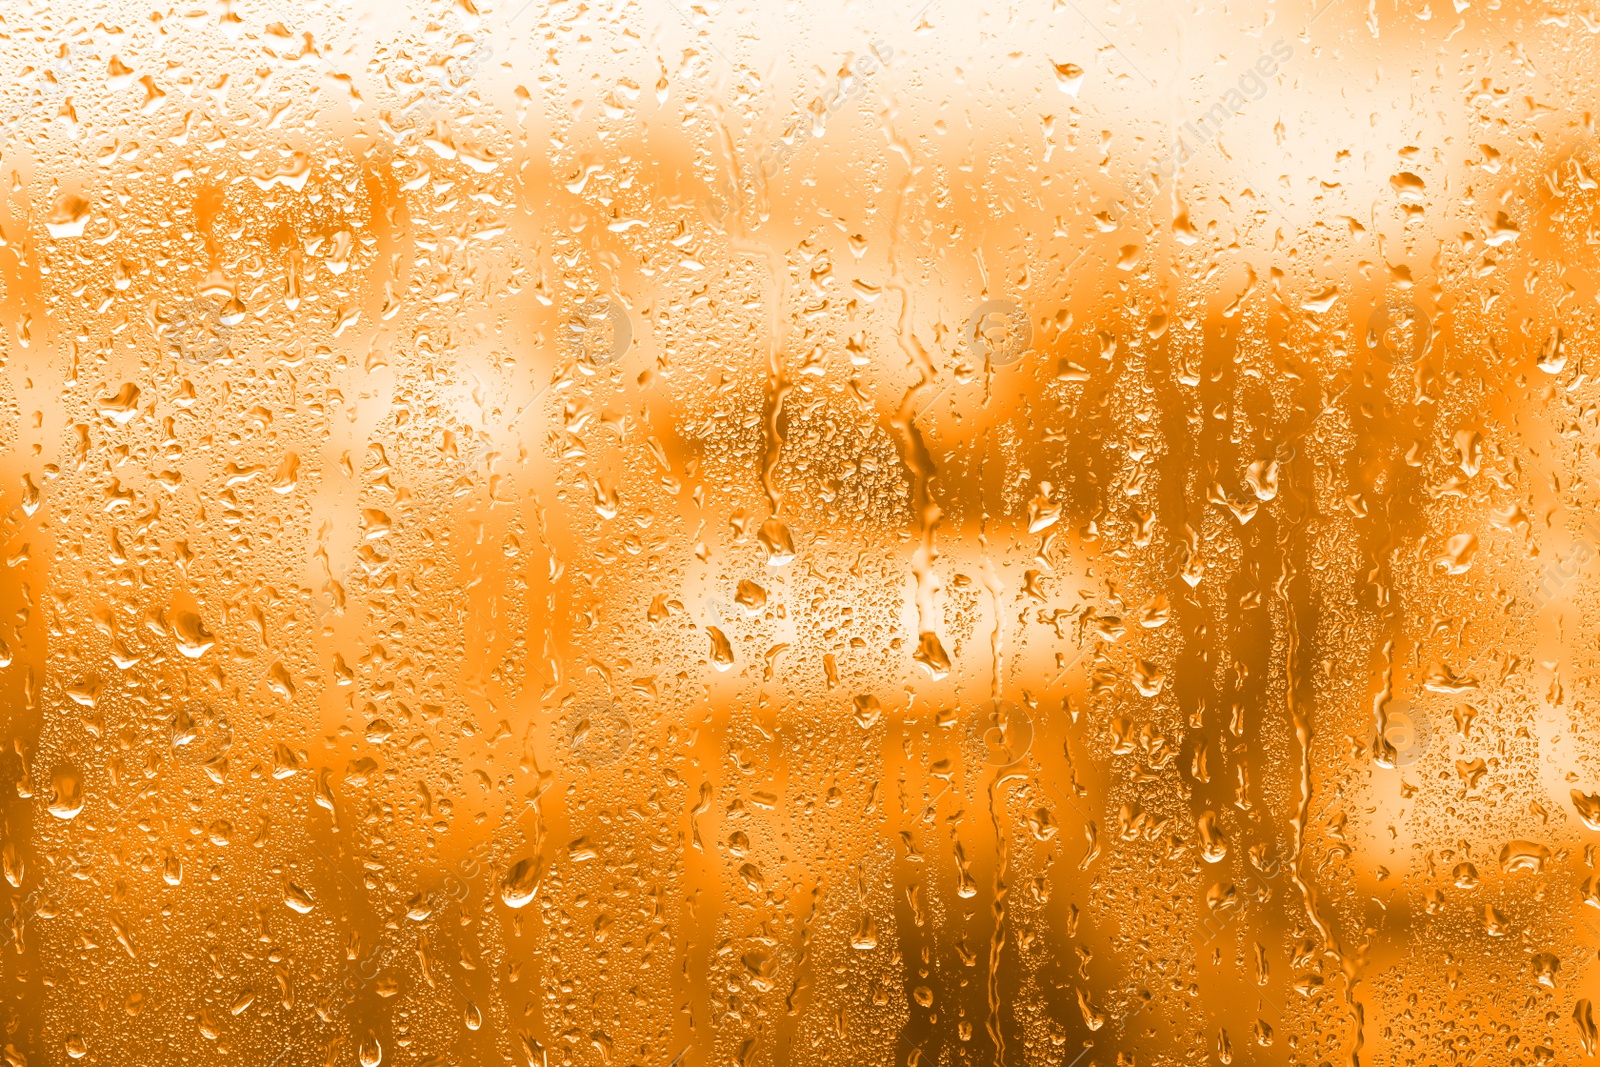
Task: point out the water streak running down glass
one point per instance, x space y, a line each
688 534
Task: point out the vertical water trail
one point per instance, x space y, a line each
774 535
930 652
1302 817
997 939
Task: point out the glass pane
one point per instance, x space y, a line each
665 533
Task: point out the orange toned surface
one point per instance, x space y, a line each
799 533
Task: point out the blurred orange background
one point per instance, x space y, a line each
686 534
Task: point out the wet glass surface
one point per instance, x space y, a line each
652 533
